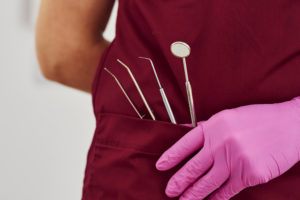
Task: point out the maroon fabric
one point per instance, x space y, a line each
243 52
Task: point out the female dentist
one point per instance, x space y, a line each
244 68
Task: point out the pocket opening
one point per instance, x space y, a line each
144 135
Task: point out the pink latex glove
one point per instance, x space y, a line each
240 147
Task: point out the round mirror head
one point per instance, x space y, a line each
180 49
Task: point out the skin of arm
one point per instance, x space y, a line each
69 41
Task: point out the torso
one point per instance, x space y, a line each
242 52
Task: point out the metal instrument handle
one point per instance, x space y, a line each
191 103
167 105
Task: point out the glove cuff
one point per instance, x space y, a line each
298 97
297 100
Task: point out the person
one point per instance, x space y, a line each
244 69
69 40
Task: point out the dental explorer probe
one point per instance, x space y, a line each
183 50
139 89
124 92
162 93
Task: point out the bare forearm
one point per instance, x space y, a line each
73 67
69 40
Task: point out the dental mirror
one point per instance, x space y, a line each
180 49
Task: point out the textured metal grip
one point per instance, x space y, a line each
167 105
191 103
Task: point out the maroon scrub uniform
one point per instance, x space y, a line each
243 52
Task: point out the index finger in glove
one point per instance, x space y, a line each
188 144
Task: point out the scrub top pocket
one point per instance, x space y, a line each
126 150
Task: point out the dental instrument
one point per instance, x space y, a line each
138 88
124 92
162 93
183 50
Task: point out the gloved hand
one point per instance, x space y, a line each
240 147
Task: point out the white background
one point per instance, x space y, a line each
45 128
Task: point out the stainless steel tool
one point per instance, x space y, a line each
138 88
183 50
124 92
162 93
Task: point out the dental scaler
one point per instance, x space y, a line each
162 93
